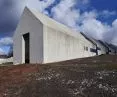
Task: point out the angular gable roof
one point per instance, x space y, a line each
53 24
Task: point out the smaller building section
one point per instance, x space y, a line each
112 48
105 48
102 48
94 49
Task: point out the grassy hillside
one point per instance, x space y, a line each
87 77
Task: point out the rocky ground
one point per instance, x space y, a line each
88 77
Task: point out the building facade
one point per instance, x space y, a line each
39 39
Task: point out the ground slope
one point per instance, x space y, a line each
87 77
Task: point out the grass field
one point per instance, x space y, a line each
87 77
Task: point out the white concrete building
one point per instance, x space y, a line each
101 47
112 49
39 39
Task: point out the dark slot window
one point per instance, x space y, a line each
85 48
27 47
93 50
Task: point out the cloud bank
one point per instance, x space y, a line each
2 52
10 12
7 41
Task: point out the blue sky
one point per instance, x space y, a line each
97 18
104 4
110 5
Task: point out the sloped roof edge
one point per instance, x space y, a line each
52 23
90 39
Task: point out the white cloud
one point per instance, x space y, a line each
115 24
65 13
39 4
97 29
20 4
2 52
16 8
6 41
107 13
85 1
112 34
94 28
90 14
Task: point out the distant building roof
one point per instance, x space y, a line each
111 46
103 43
88 38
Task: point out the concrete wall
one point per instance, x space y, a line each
59 46
29 24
